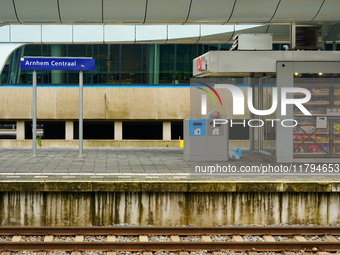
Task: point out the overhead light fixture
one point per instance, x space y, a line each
320 73
296 73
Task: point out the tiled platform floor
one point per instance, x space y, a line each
139 164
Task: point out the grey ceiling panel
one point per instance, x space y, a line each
331 33
253 11
124 11
210 11
255 30
165 11
82 11
170 12
34 11
329 11
281 33
7 13
297 10
216 39
227 37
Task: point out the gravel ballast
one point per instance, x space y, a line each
95 239
32 239
127 239
5 238
63 239
191 239
221 239
159 239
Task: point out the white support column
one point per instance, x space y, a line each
166 130
69 130
118 130
284 136
20 130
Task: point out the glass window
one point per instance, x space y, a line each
133 64
107 64
25 76
5 71
8 130
166 64
185 55
310 140
336 137
80 50
115 64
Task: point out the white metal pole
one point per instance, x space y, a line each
80 113
34 133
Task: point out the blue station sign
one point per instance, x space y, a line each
54 63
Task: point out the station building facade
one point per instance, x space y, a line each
137 92
138 95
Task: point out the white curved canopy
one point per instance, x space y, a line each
6 50
202 34
168 12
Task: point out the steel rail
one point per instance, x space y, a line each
181 231
170 246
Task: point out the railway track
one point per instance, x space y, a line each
274 239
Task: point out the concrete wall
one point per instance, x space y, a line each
99 103
201 204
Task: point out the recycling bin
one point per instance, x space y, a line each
204 142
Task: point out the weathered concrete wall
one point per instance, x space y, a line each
99 103
209 204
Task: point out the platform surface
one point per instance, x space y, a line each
134 164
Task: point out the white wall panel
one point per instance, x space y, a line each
4 34
26 33
56 33
183 31
89 33
215 34
119 33
151 32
